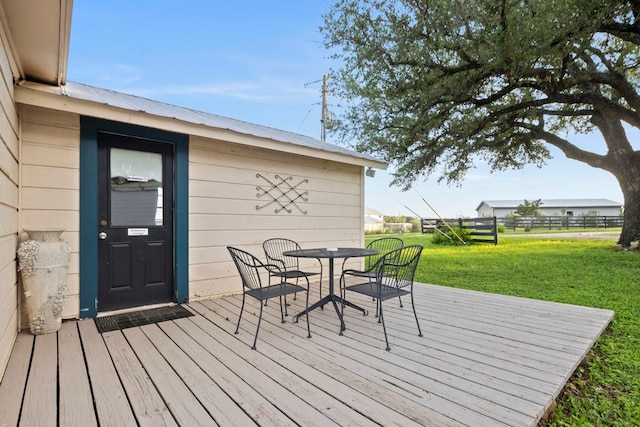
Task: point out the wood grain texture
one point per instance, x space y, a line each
484 359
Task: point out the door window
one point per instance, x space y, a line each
136 188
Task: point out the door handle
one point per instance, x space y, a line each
102 235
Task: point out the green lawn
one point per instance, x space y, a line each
604 392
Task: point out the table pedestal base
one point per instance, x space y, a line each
335 300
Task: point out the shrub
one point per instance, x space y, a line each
449 238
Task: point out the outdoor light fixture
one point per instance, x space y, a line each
370 172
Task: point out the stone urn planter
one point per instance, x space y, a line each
43 262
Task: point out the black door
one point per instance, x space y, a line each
135 209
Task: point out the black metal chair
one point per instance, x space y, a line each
288 267
394 277
250 269
384 245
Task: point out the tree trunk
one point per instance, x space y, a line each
624 163
627 172
631 227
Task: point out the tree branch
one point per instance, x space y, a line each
569 150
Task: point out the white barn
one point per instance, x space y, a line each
553 207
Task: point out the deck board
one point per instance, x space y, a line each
75 406
279 387
39 407
286 351
112 405
14 380
184 406
484 359
221 407
405 391
223 365
303 389
145 400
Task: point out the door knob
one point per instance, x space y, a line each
102 235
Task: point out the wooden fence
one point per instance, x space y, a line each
485 230
561 222
482 230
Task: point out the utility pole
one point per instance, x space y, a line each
325 112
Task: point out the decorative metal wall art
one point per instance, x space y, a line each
282 192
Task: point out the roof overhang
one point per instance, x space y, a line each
54 98
38 34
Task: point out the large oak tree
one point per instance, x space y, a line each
436 85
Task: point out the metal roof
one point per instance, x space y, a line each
553 203
148 106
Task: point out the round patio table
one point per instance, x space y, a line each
331 254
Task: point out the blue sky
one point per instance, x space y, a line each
263 62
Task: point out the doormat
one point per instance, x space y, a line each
140 318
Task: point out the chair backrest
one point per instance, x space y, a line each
398 268
273 249
384 245
248 266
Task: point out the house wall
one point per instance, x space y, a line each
373 221
223 200
50 195
223 189
9 202
371 227
485 210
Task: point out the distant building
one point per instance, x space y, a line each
373 220
553 207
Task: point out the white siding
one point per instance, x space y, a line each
581 210
50 195
223 200
9 181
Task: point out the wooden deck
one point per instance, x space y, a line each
484 360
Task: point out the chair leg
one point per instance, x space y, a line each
343 296
281 310
416 315
308 326
269 284
373 298
384 328
255 340
240 317
320 285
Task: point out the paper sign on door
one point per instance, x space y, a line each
138 232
